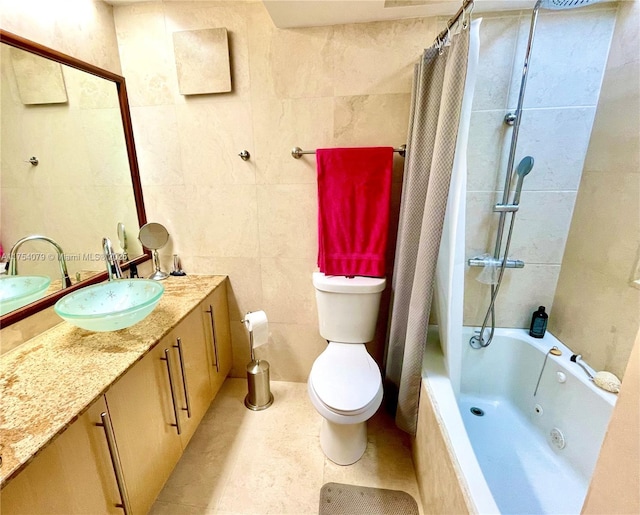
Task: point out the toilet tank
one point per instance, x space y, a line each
347 306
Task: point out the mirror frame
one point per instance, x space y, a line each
35 48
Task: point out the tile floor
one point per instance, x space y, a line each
240 461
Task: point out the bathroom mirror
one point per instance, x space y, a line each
69 169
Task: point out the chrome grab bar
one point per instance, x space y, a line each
115 462
184 377
214 339
173 392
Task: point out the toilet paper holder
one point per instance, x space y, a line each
259 396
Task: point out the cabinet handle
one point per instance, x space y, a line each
173 392
215 339
184 377
115 461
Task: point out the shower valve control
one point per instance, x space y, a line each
505 208
482 262
561 377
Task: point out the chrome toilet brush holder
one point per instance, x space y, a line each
259 397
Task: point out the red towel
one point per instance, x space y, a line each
354 191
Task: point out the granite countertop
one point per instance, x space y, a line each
51 379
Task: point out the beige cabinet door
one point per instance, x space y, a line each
143 418
72 475
192 362
215 312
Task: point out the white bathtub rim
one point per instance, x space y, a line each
437 378
543 345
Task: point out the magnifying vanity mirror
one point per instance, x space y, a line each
154 236
69 169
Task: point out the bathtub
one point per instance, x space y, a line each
516 452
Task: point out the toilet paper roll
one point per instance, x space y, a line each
257 322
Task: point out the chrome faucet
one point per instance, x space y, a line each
13 257
113 267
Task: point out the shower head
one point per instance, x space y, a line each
522 170
558 5
524 167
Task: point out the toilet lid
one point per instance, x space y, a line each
345 377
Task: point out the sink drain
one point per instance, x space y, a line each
477 412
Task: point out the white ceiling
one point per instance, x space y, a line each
311 13
306 13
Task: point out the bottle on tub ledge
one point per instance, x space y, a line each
539 321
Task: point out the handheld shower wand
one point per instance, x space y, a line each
522 170
478 340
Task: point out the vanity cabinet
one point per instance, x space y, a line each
141 408
156 407
153 411
73 475
192 362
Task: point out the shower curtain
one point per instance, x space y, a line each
438 92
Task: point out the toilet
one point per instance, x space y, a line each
345 385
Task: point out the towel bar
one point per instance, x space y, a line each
296 152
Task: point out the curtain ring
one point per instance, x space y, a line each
448 34
465 19
473 4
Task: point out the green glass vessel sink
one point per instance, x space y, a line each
110 306
19 290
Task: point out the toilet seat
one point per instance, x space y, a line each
345 383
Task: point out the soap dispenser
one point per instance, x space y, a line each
539 321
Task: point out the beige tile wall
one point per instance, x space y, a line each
81 28
341 85
567 64
256 220
596 310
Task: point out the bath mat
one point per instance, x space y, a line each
342 499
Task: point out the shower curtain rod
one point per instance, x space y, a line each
296 152
454 19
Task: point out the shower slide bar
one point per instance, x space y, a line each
296 152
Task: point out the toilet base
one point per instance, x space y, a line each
344 444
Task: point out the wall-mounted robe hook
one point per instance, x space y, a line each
33 160
244 155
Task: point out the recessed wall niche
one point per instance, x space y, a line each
202 61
